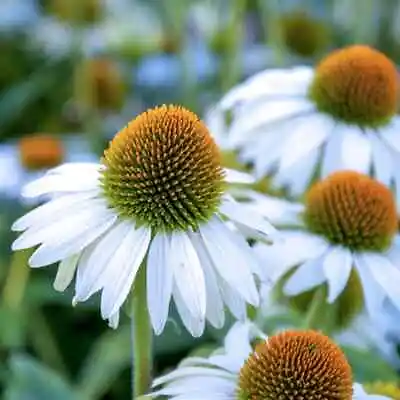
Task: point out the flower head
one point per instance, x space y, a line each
164 170
356 85
157 201
251 366
352 210
296 363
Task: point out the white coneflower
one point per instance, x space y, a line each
158 201
304 122
349 221
289 365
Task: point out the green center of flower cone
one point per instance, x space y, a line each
163 170
356 85
296 365
352 210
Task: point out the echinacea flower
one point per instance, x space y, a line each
157 201
300 123
289 365
348 224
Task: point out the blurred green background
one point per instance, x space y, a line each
72 73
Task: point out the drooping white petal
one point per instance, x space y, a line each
263 114
188 274
331 158
270 83
278 211
247 216
309 133
159 281
95 273
299 175
51 211
374 294
295 248
194 323
386 274
214 305
391 134
337 268
233 300
113 321
65 228
56 183
234 176
51 252
360 160
230 258
381 159
306 277
237 341
65 272
124 265
76 168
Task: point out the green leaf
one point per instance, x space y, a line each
368 366
31 380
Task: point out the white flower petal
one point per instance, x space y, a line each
295 248
306 277
113 321
381 160
55 183
337 268
270 83
308 134
215 312
51 210
188 274
193 324
51 252
386 274
76 168
391 134
374 294
278 211
331 158
159 281
65 273
247 216
97 268
299 175
124 265
262 114
237 341
360 160
65 228
230 258
234 176
233 300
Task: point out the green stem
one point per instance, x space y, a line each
141 337
314 314
17 279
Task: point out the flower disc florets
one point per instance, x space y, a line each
357 85
296 365
352 210
163 170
